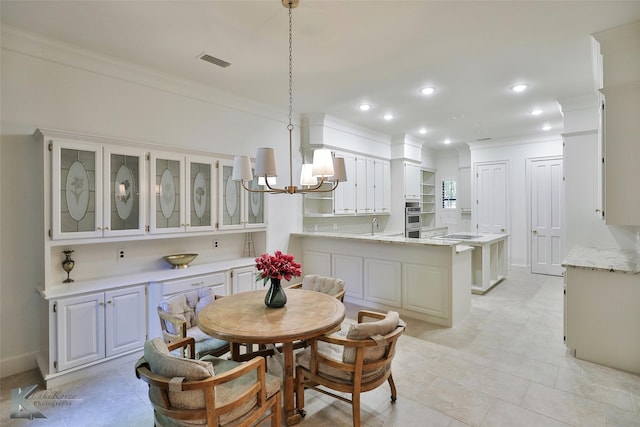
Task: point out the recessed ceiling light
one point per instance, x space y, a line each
536 112
388 116
423 131
447 141
519 88
365 107
427 90
546 127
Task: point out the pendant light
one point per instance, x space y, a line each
325 167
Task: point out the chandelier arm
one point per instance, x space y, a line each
271 191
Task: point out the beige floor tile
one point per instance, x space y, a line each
564 406
505 365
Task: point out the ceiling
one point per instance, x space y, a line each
352 51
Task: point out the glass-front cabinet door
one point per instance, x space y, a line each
231 203
200 194
255 205
124 190
167 196
76 190
239 208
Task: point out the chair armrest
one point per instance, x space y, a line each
295 286
370 314
340 296
179 325
187 342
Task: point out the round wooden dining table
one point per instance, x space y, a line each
244 318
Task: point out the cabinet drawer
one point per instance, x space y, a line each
182 285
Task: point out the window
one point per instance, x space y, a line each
449 194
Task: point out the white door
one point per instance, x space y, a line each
546 216
491 197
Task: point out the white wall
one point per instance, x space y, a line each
46 85
516 152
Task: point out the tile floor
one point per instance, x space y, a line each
504 365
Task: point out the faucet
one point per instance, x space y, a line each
374 221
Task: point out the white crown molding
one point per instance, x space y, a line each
507 142
65 54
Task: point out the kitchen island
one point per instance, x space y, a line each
427 279
489 260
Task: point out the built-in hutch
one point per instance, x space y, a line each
117 207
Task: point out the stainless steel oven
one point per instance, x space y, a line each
412 222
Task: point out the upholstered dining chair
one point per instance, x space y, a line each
210 391
178 319
354 364
328 285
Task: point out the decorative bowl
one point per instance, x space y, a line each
180 260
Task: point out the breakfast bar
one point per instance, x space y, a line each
428 279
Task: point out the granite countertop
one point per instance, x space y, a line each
612 260
382 238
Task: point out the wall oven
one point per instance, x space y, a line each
413 222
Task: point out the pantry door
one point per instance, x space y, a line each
546 215
491 197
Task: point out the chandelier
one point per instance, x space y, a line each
325 167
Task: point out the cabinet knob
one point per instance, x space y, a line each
101 303
534 231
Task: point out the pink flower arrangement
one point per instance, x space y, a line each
278 266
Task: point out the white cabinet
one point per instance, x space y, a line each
464 189
238 208
412 181
96 189
382 187
183 193
621 88
364 185
602 317
100 325
367 190
244 279
621 154
345 195
349 269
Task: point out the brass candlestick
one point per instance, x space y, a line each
67 265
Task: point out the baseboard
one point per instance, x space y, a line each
17 364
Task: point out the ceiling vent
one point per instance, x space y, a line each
213 60
484 139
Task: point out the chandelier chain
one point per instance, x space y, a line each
290 127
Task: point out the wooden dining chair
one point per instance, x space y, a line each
328 285
211 391
178 319
354 364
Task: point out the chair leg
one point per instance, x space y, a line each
393 388
355 402
276 409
